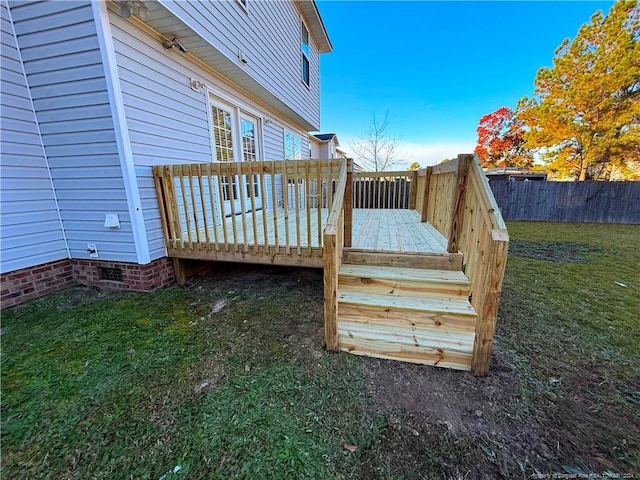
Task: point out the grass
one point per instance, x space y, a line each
227 378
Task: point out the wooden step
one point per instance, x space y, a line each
389 304
430 329
436 357
401 281
435 261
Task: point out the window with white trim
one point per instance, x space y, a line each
304 49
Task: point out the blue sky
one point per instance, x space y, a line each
436 67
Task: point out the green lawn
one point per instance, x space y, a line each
227 378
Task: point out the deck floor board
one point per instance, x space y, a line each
382 230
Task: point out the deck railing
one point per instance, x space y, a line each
456 199
248 211
382 189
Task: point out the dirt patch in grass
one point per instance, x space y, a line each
481 427
567 252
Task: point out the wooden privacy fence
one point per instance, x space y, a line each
219 210
456 199
597 202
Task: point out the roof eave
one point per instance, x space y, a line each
313 20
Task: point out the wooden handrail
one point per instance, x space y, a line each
456 199
399 173
334 235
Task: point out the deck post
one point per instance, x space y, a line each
457 204
425 198
348 205
488 308
413 190
330 290
179 270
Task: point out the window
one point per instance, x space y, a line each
249 152
292 146
304 48
222 134
223 140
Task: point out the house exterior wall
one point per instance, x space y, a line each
268 35
86 114
31 228
320 149
65 72
168 122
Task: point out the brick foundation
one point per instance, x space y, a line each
139 278
22 285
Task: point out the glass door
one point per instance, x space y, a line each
250 153
236 137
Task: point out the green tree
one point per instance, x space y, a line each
584 118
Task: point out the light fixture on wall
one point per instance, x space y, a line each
126 8
196 85
174 43
242 58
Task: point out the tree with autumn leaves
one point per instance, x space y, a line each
584 117
501 141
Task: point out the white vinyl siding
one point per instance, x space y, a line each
63 63
31 229
269 38
168 122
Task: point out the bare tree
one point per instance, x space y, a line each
377 150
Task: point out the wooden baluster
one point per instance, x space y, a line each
223 214
348 206
307 199
319 200
297 204
185 209
285 202
274 204
204 208
263 199
425 200
252 198
243 215
212 204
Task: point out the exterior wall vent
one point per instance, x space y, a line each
111 274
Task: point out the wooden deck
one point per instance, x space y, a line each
417 281
387 230
382 230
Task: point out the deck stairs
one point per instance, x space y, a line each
396 307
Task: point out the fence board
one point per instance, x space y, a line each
589 202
